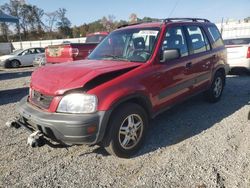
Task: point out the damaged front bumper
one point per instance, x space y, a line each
62 127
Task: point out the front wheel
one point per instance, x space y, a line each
128 127
14 64
215 91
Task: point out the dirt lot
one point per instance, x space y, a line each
195 144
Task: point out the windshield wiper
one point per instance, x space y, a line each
115 57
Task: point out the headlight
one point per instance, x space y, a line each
78 103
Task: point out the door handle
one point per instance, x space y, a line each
189 65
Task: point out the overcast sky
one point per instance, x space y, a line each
85 11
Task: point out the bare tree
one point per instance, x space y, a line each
133 18
30 16
51 19
108 23
63 23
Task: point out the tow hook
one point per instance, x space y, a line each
35 139
13 123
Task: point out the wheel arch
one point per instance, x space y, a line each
139 99
222 71
16 60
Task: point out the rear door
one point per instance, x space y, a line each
201 57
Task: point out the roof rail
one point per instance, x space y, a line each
185 19
125 25
140 22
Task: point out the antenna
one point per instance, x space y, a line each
174 7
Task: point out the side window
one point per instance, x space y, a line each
174 38
206 42
216 37
198 41
32 51
25 52
41 50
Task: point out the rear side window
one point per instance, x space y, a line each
216 37
238 41
174 38
199 41
42 50
39 50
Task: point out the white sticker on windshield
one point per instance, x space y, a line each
148 32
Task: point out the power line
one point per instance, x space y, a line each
174 7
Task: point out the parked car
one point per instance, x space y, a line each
20 57
68 52
135 73
238 50
39 60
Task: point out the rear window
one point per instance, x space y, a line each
95 38
216 37
237 41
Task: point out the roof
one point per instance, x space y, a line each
142 25
8 18
167 21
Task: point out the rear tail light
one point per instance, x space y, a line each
73 52
248 52
30 92
46 52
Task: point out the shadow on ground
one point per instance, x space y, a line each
194 116
13 95
239 71
13 75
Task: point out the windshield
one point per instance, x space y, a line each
16 52
127 45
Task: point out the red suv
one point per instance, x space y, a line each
135 73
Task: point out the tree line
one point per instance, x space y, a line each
36 24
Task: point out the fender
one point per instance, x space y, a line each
138 97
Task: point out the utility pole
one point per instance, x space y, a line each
221 28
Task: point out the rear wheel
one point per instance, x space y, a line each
127 130
215 91
14 64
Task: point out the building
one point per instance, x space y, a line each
234 29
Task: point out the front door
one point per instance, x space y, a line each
28 56
173 77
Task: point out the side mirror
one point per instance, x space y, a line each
170 54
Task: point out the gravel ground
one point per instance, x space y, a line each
195 144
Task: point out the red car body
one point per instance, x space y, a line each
153 85
69 52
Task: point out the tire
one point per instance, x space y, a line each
14 64
213 94
124 139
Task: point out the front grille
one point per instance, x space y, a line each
40 99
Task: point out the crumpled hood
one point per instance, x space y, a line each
56 79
